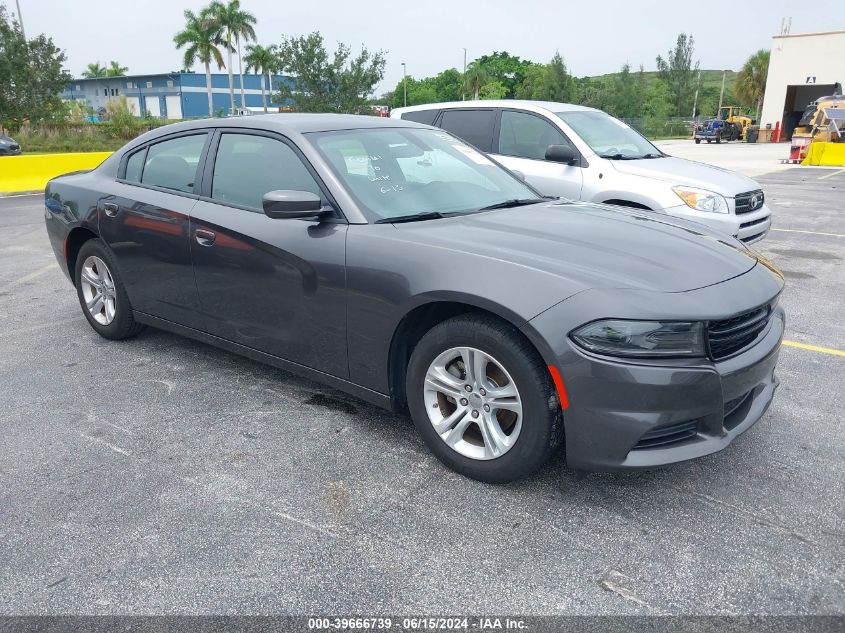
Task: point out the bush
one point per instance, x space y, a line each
122 123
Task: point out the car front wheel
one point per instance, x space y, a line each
483 399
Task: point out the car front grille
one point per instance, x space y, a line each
749 201
668 435
728 336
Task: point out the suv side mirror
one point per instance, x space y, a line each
284 204
560 154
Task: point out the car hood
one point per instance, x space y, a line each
593 245
677 171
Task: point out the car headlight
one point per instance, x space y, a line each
619 337
702 200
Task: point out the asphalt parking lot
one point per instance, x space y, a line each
160 475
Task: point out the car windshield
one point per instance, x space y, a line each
609 137
403 172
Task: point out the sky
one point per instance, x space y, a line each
594 38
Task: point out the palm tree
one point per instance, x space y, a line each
261 59
202 38
116 70
94 71
476 76
751 82
235 24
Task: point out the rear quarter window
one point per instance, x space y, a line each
421 116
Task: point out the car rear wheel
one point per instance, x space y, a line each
483 399
102 295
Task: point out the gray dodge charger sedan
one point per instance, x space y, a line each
391 260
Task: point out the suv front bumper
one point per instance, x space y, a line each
748 227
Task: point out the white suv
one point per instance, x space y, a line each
585 154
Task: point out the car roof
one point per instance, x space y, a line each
535 106
291 122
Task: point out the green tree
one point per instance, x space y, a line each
116 70
493 90
678 71
476 76
324 83
750 84
236 25
551 82
95 71
262 60
31 76
202 39
447 85
504 68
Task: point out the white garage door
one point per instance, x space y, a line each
153 106
133 105
174 107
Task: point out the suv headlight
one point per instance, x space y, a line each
619 337
702 200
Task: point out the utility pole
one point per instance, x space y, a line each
20 18
695 100
464 78
721 93
404 85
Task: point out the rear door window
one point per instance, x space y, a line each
473 126
173 164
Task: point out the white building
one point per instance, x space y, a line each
803 67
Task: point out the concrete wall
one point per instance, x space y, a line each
794 59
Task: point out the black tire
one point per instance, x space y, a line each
123 325
542 419
698 141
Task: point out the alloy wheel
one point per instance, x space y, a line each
98 290
473 403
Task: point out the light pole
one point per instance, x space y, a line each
464 82
404 85
20 18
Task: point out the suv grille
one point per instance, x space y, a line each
728 336
749 201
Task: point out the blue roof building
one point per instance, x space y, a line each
175 95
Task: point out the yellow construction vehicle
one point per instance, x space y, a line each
733 116
821 122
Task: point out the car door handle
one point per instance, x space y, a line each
204 238
111 209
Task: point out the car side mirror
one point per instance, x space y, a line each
284 204
560 154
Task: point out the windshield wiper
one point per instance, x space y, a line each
516 202
619 156
652 155
416 217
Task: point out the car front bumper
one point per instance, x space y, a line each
748 227
638 414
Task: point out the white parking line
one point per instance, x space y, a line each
810 232
832 174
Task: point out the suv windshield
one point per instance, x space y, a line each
401 172
609 137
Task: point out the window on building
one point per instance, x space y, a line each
149 84
173 164
78 87
169 83
129 85
249 166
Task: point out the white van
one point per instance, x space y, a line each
585 154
